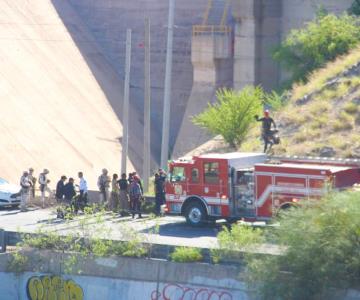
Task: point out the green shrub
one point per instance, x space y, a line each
321 250
18 263
322 40
186 254
234 243
232 116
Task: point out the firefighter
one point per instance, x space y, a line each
266 132
159 183
26 185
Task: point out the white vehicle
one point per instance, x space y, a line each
9 194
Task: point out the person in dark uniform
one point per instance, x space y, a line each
69 190
59 193
160 179
266 133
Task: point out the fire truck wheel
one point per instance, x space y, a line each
195 214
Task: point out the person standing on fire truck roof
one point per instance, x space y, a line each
266 132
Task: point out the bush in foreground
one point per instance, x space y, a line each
320 246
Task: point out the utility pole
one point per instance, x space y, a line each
167 92
125 138
147 108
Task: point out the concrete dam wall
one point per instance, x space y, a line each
107 20
62 70
60 106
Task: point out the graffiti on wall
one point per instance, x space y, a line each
180 292
53 288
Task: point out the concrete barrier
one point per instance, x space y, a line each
121 278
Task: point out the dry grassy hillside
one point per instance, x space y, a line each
321 118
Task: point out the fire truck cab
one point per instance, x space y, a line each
250 186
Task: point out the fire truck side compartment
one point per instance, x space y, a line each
290 183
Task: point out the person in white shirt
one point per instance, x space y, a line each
82 188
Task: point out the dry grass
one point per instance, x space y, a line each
351 108
338 125
331 70
330 118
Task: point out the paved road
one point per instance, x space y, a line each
166 230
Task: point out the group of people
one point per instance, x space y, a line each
121 194
66 191
117 194
28 186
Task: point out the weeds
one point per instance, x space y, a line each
351 108
18 263
87 240
186 254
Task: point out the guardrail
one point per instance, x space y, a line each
210 30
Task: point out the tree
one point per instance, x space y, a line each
322 40
355 8
233 113
320 245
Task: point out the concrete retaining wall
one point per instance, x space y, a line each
124 278
127 279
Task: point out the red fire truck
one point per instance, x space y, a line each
250 186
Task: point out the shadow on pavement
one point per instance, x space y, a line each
8 211
185 230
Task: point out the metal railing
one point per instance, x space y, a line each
311 159
210 29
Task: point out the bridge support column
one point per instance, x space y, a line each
257 31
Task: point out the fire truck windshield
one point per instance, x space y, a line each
177 174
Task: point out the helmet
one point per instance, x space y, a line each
46 171
266 113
